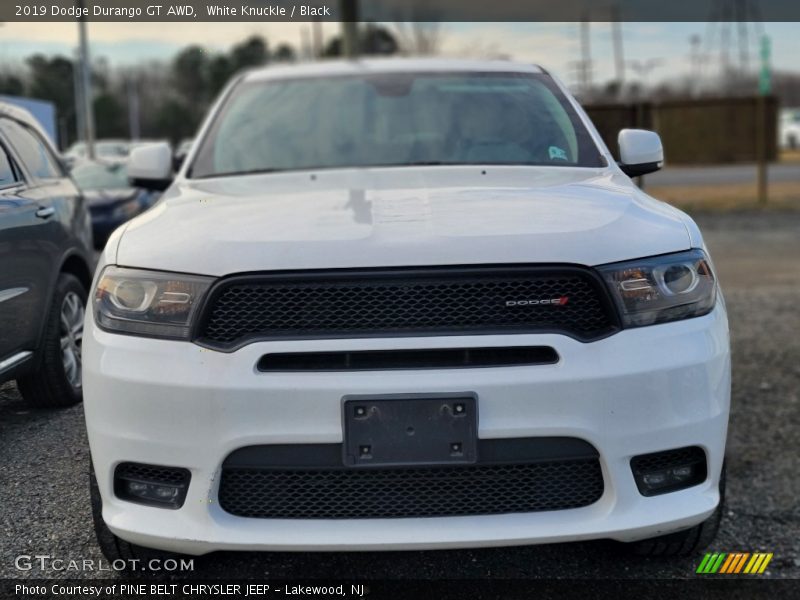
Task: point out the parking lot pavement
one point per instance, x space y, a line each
44 504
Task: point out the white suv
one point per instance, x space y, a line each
404 304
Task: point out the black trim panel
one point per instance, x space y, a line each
389 360
521 475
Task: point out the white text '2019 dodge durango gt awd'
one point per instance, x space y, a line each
402 305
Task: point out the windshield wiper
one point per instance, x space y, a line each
416 163
240 173
413 163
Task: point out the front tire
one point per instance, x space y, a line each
57 382
113 547
688 541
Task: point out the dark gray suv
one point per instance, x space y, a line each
45 265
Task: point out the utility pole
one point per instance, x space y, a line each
744 47
744 16
586 58
350 44
134 127
77 75
306 51
764 89
619 55
316 38
695 62
86 86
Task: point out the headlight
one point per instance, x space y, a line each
148 303
662 288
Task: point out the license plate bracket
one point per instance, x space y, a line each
410 430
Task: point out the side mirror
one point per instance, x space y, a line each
150 166
67 162
640 152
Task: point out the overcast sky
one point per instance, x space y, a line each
554 45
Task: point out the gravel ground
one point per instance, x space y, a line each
44 504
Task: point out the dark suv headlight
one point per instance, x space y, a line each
148 303
662 288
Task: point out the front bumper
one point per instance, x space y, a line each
174 403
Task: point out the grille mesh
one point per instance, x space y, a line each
151 473
376 493
657 461
396 303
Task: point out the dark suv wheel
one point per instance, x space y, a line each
58 382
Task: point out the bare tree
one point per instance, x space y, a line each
418 38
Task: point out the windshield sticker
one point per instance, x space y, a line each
559 153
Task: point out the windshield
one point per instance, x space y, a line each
394 120
96 177
108 149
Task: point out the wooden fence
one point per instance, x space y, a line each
695 131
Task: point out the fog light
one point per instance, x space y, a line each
164 487
655 479
669 471
150 493
136 488
681 473
165 492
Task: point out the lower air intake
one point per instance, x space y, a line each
407 492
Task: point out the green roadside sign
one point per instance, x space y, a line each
765 75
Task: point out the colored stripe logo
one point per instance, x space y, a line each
732 563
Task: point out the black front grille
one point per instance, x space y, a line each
293 492
432 301
437 358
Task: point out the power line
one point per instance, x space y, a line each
733 28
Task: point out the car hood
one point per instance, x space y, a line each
401 217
